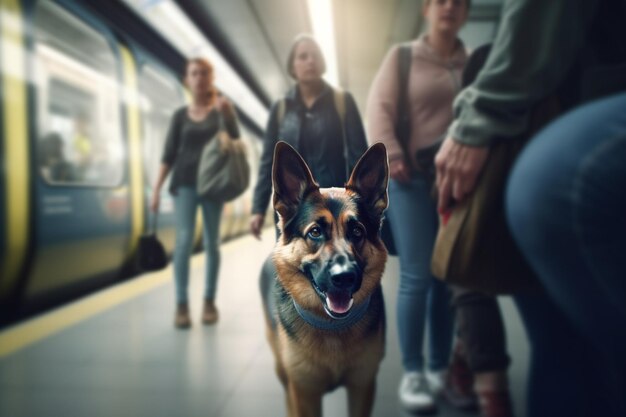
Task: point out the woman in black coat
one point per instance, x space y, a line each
321 123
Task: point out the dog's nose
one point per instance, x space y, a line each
344 280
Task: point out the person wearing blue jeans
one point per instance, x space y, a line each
566 205
186 202
409 109
565 200
191 128
422 299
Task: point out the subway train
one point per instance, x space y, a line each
88 90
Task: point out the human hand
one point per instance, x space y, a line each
224 106
256 224
156 200
458 167
399 171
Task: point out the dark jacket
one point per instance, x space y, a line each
320 144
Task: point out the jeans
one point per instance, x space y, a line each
565 205
567 374
421 297
186 202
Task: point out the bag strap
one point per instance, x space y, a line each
281 111
404 67
339 98
153 224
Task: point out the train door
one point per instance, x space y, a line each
14 154
160 95
82 209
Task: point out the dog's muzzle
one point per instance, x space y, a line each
343 281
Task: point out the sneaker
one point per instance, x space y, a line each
495 404
436 380
210 314
415 394
181 319
458 388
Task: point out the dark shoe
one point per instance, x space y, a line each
210 314
458 389
495 404
181 319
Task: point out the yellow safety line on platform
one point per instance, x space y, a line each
24 334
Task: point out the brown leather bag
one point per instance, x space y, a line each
474 248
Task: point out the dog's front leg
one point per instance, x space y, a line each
361 398
305 402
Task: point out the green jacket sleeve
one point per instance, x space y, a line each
536 44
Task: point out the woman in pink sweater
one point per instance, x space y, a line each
433 64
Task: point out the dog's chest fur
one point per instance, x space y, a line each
331 358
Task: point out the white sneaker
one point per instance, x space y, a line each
436 380
414 393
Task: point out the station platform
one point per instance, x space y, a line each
117 353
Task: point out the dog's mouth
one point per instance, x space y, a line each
337 303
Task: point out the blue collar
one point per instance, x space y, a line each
328 323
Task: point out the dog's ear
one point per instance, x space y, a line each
292 180
370 176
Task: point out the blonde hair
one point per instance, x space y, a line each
205 64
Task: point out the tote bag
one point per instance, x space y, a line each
474 248
224 172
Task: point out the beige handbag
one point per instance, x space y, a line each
474 247
224 172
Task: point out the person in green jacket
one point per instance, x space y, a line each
565 199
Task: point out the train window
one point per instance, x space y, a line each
78 104
160 96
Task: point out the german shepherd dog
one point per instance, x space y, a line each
325 320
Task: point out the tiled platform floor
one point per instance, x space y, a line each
129 360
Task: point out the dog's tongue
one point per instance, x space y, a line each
339 302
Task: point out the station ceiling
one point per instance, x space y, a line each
258 34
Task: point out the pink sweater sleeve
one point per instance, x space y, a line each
382 104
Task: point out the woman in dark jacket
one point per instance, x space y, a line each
309 119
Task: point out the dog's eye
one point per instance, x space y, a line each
357 231
315 233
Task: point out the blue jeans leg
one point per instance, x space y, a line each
421 298
565 206
212 212
565 376
185 208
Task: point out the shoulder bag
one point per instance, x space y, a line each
224 171
474 248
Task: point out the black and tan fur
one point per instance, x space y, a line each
329 245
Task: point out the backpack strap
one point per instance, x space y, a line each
404 67
339 96
281 111
340 104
